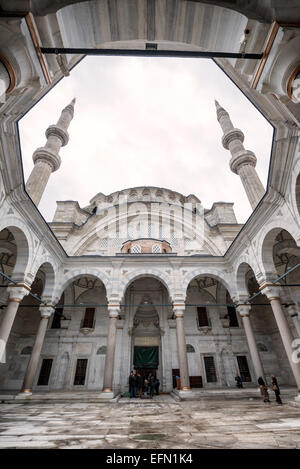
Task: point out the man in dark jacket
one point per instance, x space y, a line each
132 384
157 383
151 385
139 383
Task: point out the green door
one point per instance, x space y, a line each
145 357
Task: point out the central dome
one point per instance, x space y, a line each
142 194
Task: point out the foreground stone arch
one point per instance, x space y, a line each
267 240
226 281
72 275
24 243
140 273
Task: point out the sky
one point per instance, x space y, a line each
146 121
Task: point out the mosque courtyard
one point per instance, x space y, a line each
161 423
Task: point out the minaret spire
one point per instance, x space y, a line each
242 161
46 159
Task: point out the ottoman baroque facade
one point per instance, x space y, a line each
145 277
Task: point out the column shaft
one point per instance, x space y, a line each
110 354
286 336
35 355
182 356
258 368
7 323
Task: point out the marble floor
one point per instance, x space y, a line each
161 423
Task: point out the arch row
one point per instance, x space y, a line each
58 278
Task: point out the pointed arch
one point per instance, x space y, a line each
164 278
224 279
71 275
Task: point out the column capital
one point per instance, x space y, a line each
46 311
179 309
271 290
113 310
244 310
17 291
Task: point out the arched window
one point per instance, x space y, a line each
136 249
261 347
156 249
190 348
26 350
101 350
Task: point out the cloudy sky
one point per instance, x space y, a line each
149 121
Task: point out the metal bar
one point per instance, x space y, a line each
16 283
279 278
290 285
265 54
36 44
148 53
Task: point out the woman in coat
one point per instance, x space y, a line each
263 389
276 389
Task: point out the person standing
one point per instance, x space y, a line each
132 385
146 383
239 383
263 389
157 383
139 383
151 380
276 389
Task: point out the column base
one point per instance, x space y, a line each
107 393
184 393
24 394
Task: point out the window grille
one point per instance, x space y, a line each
45 372
244 368
80 372
210 369
202 316
88 320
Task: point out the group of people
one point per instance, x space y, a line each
264 388
143 385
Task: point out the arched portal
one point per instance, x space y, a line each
263 323
147 311
215 330
82 317
24 330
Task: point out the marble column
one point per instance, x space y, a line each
16 294
244 311
46 312
181 347
272 292
113 311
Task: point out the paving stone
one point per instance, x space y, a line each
184 425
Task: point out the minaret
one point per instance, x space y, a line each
46 159
243 161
